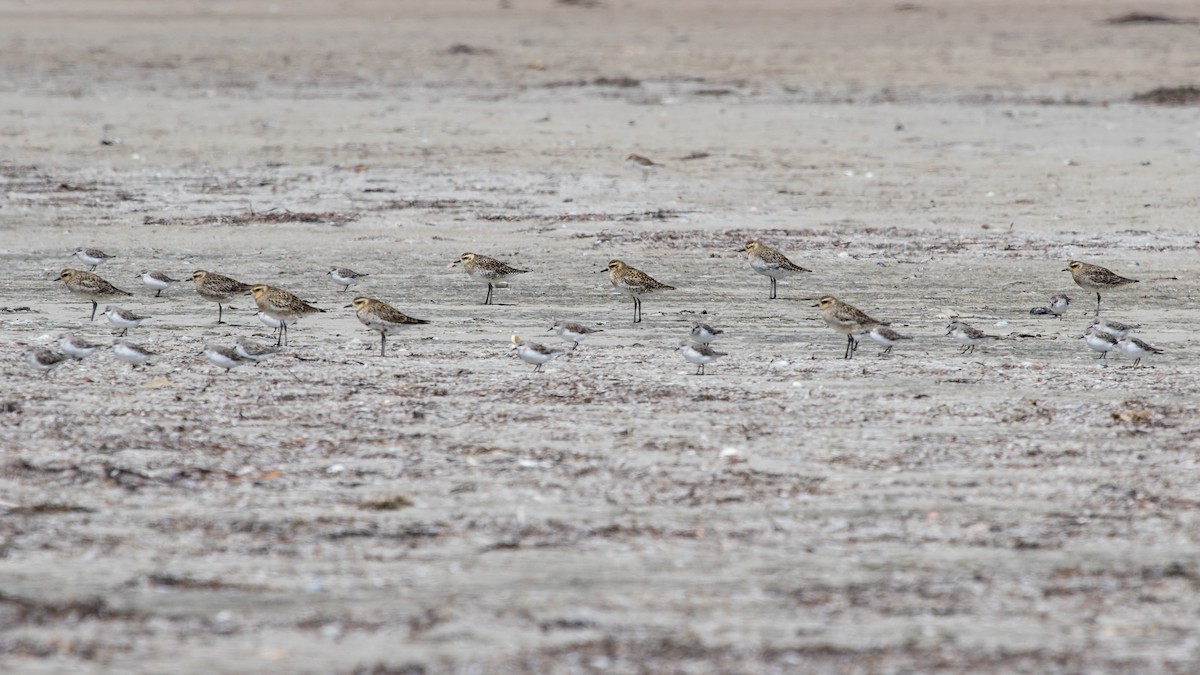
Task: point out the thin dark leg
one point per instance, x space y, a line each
772 288
1097 304
346 288
849 347
637 309
575 346
124 331
220 311
1102 355
93 269
488 300
93 310
382 341
889 349
158 294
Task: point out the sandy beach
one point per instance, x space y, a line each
444 509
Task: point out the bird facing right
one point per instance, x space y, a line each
1095 278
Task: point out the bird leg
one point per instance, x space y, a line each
93 310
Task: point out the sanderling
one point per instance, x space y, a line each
1114 328
1136 349
91 256
572 332
132 354
704 334
75 346
255 351
344 276
967 335
886 337
225 357
1100 341
156 280
532 352
123 318
44 359
699 354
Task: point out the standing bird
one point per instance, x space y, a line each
1135 349
274 324
886 337
1095 279
123 318
344 276
217 288
968 336
770 263
282 306
847 320
44 359
704 334
156 280
487 270
532 352
382 317
572 332
699 354
643 164
92 256
1099 340
1058 305
634 283
90 286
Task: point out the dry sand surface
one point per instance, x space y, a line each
1026 508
